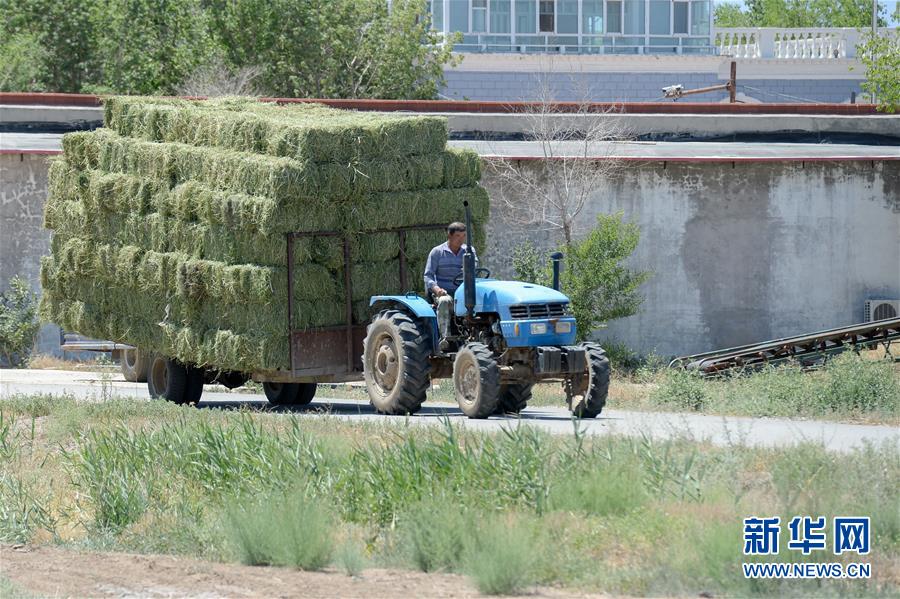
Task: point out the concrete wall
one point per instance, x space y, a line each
739 253
23 240
745 253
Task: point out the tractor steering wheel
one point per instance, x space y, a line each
458 279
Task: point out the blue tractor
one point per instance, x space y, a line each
505 337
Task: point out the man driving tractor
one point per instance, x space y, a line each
444 265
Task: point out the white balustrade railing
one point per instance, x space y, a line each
791 44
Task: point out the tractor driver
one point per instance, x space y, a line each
445 263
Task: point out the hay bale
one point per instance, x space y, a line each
313 133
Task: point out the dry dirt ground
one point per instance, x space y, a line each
55 572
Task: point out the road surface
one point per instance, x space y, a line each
719 430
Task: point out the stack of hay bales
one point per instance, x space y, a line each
169 224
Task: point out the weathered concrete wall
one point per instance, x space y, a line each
23 240
739 253
745 253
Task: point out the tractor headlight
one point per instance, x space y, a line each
539 328
564 327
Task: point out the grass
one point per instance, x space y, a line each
510 510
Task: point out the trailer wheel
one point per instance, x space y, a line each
289 394
586 393
395 363
174 381
134 364
476 379
514 397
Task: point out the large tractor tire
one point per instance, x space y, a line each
289 394
174 381
395 363
586 393
514 397
135 364
476 379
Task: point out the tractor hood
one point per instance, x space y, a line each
492 295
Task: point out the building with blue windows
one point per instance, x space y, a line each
628 50
577 26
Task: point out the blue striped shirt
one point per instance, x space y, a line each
443 266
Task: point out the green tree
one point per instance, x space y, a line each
149 46
21 63
333 48
730 14
797 13
64 30
18 322
595 278
880 54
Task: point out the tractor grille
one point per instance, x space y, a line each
539 310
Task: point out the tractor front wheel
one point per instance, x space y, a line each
476 380
395 363
289 394
514 397
586 392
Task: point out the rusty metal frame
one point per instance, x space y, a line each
349 328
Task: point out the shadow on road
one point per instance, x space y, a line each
339 408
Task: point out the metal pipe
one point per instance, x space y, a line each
556 259
469 265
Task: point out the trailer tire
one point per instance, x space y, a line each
395 362
174 381
476 380
586 393
514 397
289 394
134 364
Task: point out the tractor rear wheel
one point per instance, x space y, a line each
395 363
174 381
476 379
289 394
514 397
586 392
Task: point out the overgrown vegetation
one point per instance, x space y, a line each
880 54
848 385
596 279
621 516
19 324
318 48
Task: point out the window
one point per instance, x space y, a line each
500 16
659 17
634 17
681 18
436 10
614 16
567 20
700 17
526 16
459 15
547 14
592 16
479 16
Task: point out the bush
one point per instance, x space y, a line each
599 285
435 535
682 389
19 324
501 557
281 528
855 383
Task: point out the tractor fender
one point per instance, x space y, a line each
413 305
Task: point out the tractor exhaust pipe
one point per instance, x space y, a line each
469 265
556 260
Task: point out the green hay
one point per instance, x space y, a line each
311 133
281 179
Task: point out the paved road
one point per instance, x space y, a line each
759 432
